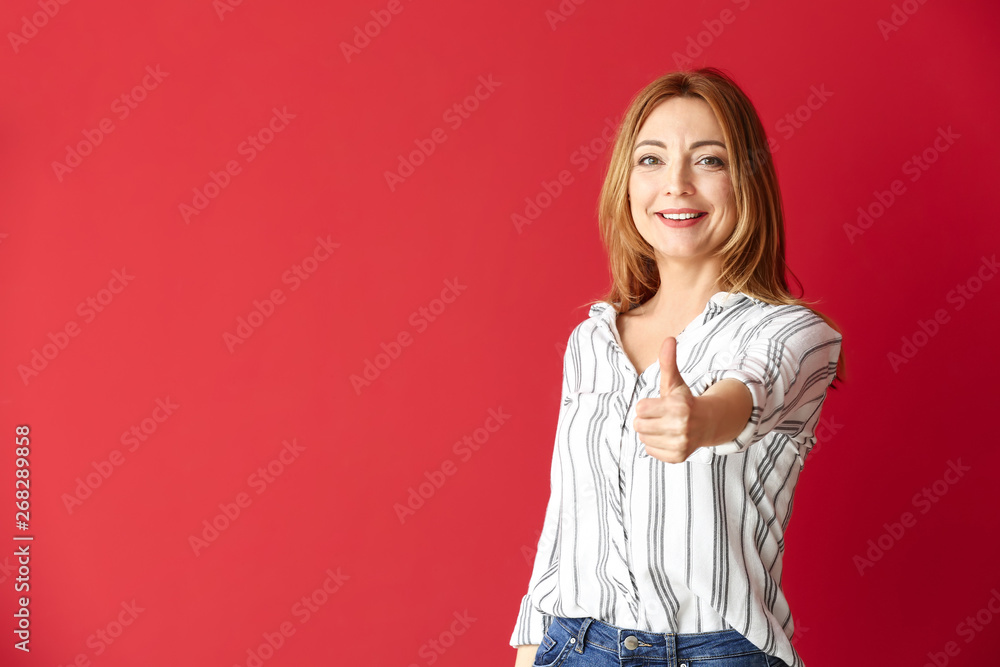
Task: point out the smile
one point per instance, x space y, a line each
681 219
681 216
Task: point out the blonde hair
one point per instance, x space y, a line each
753 259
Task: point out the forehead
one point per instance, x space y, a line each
689 118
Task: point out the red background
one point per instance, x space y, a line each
497 345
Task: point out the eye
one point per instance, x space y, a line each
642 160
717 161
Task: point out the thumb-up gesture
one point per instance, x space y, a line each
674 424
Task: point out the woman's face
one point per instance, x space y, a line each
680 167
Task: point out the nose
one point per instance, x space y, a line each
677 179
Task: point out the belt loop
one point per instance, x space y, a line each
581 636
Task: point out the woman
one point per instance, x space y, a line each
690 399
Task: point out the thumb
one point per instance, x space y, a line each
670 375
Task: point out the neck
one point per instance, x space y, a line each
684 287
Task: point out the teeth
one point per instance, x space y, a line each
680 216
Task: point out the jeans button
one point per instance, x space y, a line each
631 642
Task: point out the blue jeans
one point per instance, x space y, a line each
586 642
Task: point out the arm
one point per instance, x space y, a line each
727 405
531 623
786 368
526 655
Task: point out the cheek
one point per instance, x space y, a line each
720 193
639 201
639 189
637 214
634 194
726 189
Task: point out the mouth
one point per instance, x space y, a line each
684 218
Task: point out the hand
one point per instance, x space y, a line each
676 423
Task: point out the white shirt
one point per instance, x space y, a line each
680 547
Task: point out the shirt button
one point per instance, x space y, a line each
572 640
631 642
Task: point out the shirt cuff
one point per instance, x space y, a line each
787 384
531 624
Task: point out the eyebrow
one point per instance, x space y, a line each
655 142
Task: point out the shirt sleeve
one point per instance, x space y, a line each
787 365
531 623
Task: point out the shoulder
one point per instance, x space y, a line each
791 322
596 323
599 309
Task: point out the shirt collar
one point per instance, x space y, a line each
719 302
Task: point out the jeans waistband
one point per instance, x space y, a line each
657 645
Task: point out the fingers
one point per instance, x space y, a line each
670 375
667 437
669 407
657 426
667 455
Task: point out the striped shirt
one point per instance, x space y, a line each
680 547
